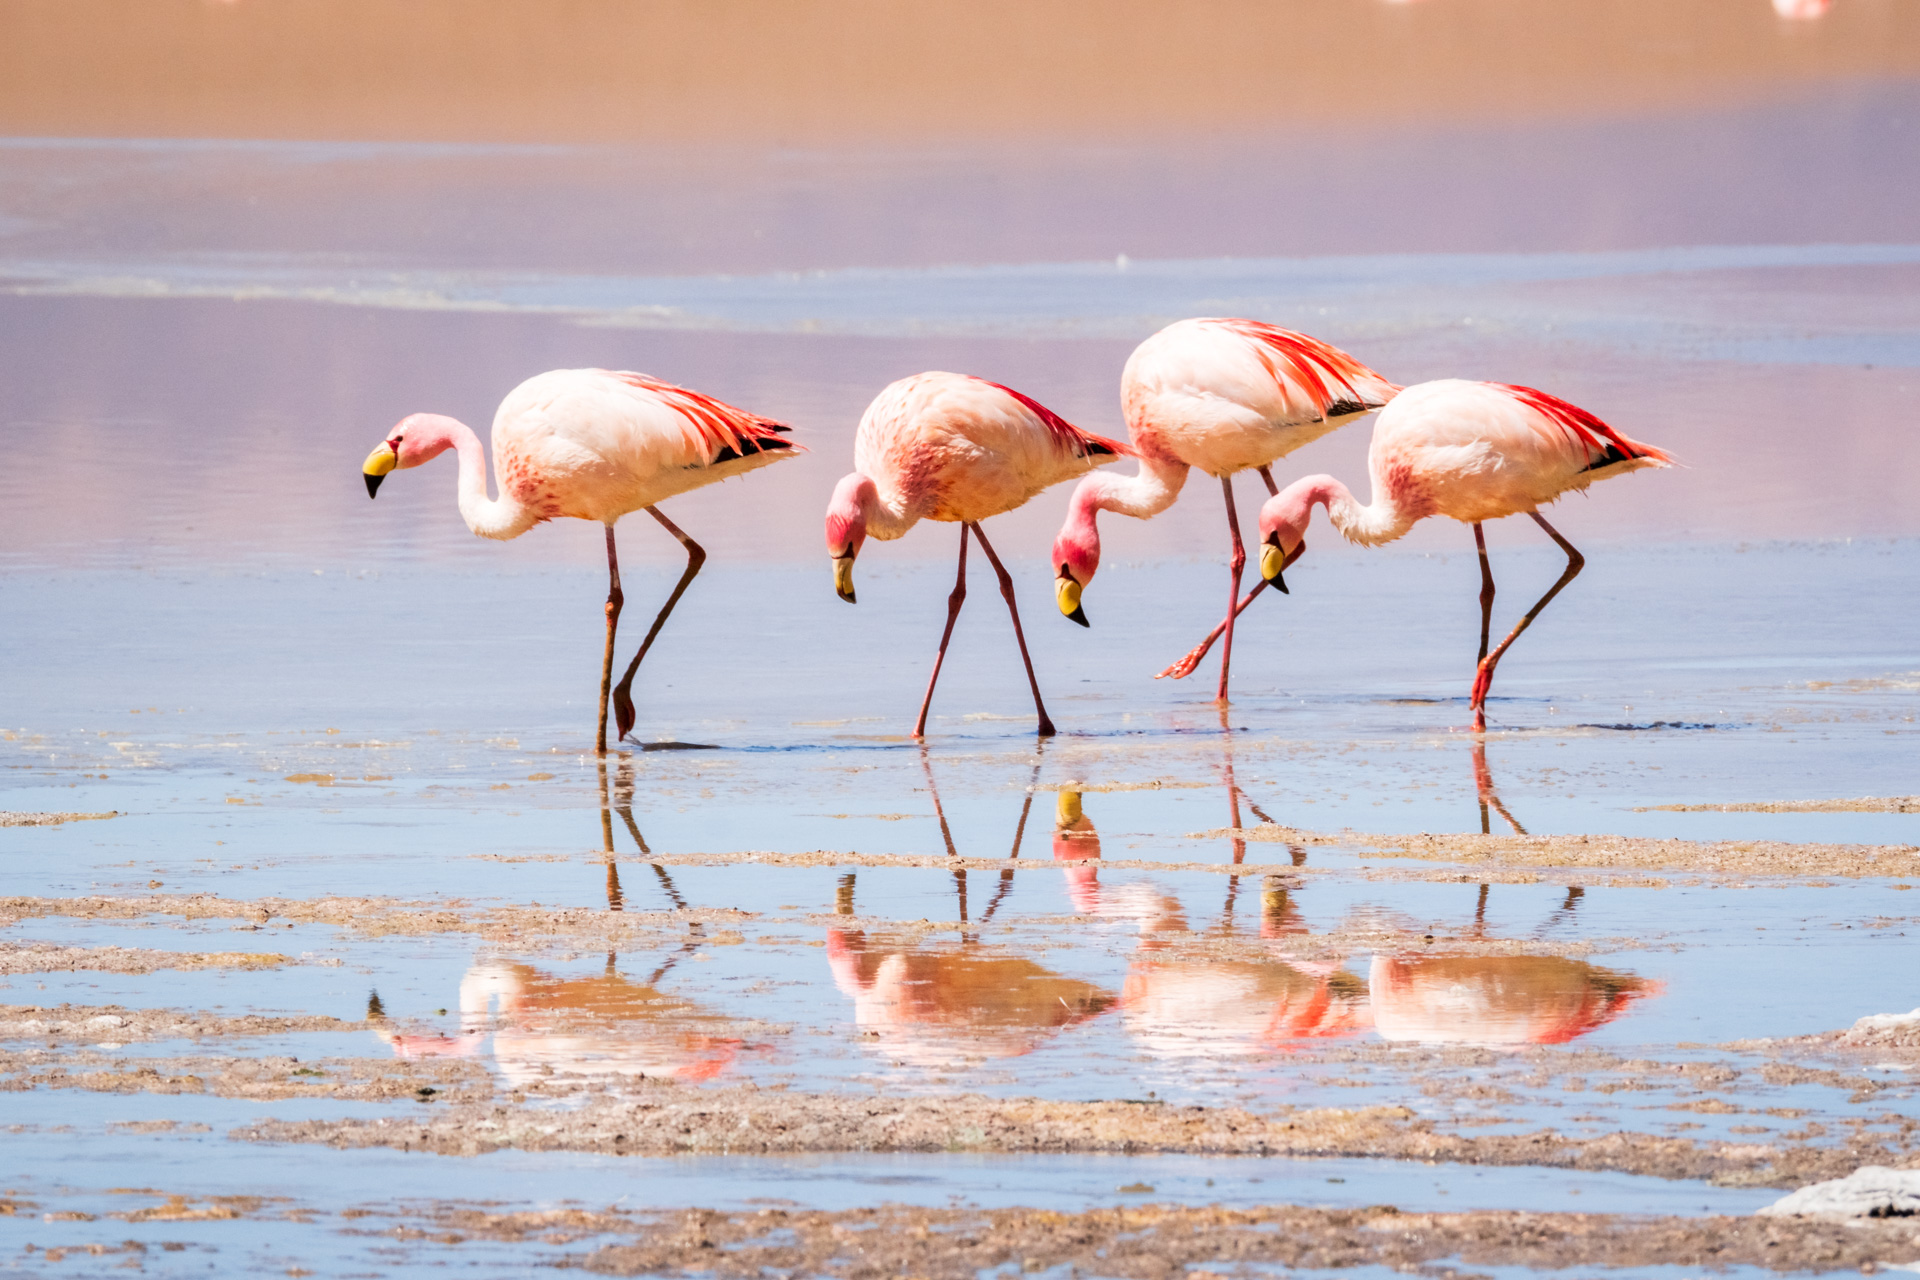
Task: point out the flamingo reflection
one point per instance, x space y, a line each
932 1004
592 1028
1180 1001
1496 1001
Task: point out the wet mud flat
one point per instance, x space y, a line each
1339 990
1146 1241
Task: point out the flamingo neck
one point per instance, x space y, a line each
886 518
503 517
1143 495
1379 521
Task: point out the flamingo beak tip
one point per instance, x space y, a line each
843 578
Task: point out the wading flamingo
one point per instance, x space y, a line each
1475 451
1223 396
944 446
594 445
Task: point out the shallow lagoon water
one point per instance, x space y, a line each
285 693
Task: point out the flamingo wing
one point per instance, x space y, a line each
1078 443
1334 382
1604 446
716 431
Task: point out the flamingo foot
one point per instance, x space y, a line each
1046 727
1482 681
1184 668
622 711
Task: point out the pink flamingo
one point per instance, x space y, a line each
1475 451
594 445
1224 396
943 446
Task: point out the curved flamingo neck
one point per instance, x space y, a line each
502 517
1381 520
885 520
1143 495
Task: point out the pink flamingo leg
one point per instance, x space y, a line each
954 601
614 600
1236 563
1483 678
1486 590
1006 593
623 693
1184 668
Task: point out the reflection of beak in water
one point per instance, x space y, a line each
1076 843
593 1028
415 1046
1073 831
1279 913
1497 1000
945 1006
1187 1008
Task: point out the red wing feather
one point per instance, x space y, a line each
1326 372
1079 443
1597 436
721 426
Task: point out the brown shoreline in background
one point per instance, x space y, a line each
813 71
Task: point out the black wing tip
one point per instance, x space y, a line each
1345 408
1614 454
731 454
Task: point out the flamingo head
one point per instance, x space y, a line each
414 440
1076 557
1283 532
847 529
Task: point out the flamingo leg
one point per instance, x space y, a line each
954 601
1483 678
614 600
623 692
1006 593
1235 564
1184 668
1486 589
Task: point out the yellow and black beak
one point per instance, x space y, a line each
843 577
1272 561
1066 810
377 465
1067 593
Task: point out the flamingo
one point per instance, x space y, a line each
595 445
945 446
1224 396
1475 451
